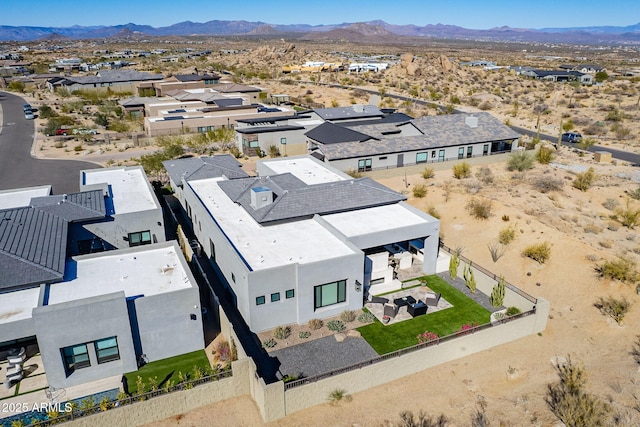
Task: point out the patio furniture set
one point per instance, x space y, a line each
414 307
14 370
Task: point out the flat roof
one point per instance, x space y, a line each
303 168
129 187
21 197
17 305
374 220
149 270
264 247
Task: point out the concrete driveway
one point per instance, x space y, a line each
18 168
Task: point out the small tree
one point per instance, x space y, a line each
498 293
601 76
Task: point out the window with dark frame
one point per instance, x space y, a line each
329 294
260 300
275 297
290 293
107 350
140 238
75 357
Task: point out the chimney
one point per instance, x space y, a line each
471 121
261 197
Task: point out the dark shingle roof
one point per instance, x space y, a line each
293 199
330 133
267 129
203 168
83 206
32 247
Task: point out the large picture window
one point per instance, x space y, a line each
421 157
364 165
329 294
107 350
75 357
140 238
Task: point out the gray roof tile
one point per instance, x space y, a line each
204 167
82 206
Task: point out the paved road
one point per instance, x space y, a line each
618 154
18 168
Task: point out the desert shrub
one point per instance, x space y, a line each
462 170
273 151
46 112
485 175
235 152
315 324
520 161
586 143
282 332
485 105
622 268
545 155
512 311
470 279
507 235
270 343
454 262
348 316
610 204
547 183
506 218
428 173
479 208
78 148
408 419
634 194
539 252
354 173
614 308
628 217
419 190
635 351
366 317
304 334
496 250
336 325
337 395
433 212
472 187
570 402
498 293
584 180
592 228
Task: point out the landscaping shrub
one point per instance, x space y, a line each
512 311
348 316
427 337
498 293
547 183
433 212
223 351
282 332
419 190
622 268
520 161
336 325
337 395
304 334
470 279
614 308
462 170
584 180
270 343
454 262
428 173
539 252
366 317
479 208
315 324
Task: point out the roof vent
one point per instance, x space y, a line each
358 108
471 121
261 197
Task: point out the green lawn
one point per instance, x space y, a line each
168 369
389 338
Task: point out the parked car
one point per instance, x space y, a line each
28 114
27 107
62 132
84 131
571 137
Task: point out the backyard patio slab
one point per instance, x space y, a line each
417 293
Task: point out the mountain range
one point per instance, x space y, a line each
371 31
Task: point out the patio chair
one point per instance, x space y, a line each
378 300
432 299
18 358
390 310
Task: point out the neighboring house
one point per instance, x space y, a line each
114 80
132 214
92 316
559 76
185 82
583 68
303 240
398 140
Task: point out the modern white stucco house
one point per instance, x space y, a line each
303 240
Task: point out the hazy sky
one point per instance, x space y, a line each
465 13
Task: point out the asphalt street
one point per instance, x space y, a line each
18 169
